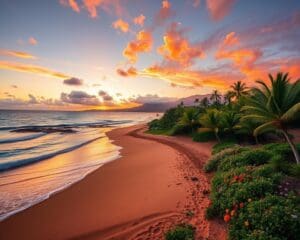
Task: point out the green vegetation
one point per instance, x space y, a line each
181 232
243 115
255 188
274 107
247 192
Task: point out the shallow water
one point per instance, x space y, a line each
43 159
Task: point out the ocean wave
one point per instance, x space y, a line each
23 138
22 162
101 123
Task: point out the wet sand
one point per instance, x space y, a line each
151 187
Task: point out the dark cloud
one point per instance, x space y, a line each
130 72
14 86
152 98
80 97
32 99
105 96
73 81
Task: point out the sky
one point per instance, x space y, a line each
113 54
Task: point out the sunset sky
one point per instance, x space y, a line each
110 54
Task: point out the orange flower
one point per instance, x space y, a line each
227 217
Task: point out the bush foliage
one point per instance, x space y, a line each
181 232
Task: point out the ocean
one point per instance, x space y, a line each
43 152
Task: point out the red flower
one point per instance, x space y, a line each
227 217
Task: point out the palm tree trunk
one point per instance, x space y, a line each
217 136
292 145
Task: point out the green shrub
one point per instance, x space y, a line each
294 170
204 136
239 185
181 232
215 160
252 157
282 149
223 145
168 120
272 217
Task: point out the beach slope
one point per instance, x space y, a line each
139 196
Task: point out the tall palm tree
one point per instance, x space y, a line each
215 97
239 89
190 118
210 122
275 106
228 96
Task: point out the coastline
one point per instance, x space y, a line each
138 196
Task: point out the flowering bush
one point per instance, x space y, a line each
272 217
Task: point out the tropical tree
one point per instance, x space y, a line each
229 120
210 122
215 97
275 106
189 118
239 89
204 102
228 96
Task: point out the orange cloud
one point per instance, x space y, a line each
230 39
19 67
139 20
32 41
122 25
218 9
72 3
92 6
164 13
293 68
130 72
166 4
17 54
241 57
142 43
178 49
190 78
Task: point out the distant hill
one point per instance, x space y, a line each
163 106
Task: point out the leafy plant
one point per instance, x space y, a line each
203 136
274 106
215 160
210 122
252 157
272 217
181 232
223 145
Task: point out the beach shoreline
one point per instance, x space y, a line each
139 196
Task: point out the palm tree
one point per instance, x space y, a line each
210 122
204 102
239 89
230 120
228 96
215 97
275 106
189 118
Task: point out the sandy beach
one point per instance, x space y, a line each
150 188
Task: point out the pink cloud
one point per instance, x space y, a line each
32 41
122 25
71 3
218 9
139 20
